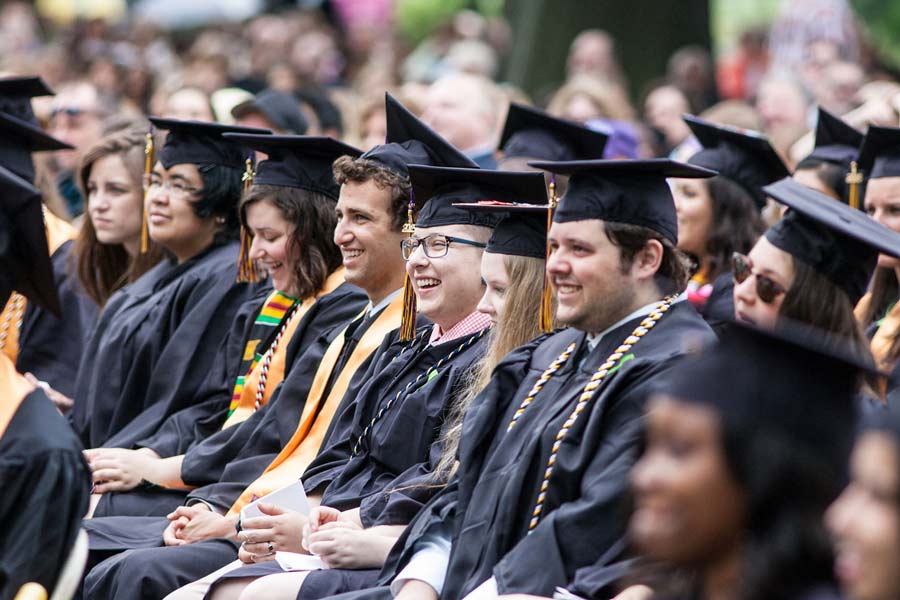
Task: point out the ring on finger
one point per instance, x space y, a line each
270 548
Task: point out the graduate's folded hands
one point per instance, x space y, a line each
120 469
191 524
279 530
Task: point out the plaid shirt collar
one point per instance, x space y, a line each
473 323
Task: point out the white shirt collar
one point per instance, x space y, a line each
594 338
371 310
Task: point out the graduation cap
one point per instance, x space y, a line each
20 133
795 381
836 141
879 155
199 143
841 243
410 141
24 256
743 156
622 191
299 161
282 109
532 133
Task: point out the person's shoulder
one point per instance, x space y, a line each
38 428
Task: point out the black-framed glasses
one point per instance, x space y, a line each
766 288
435 245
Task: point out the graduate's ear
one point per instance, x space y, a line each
648 260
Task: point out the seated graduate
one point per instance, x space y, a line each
865 520
731 491
812 266
156 339
828 168
878 311
418 377
288 220
721 215
44 346
353 542
45 479
517 522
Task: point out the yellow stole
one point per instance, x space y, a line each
304 445
58 233
13 388
247 402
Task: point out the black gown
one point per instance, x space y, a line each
46 489
196 431
154 344
584 514
719 307
403 438
49 347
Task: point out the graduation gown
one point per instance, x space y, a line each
500 472
719 307
154 344
46 487
50 347
209 449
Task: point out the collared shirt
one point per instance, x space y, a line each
473 323
594 338
374 310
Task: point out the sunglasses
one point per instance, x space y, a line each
766 289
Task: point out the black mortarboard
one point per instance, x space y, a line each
622 191
879 155
201 143
839 242
24 260
522 230
796 381
282 109
299 161
412 142
437 189
534 134
743 156
20 133
836 141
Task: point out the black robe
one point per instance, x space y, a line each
49 347
196 431
584 514
46 485
719 307
154 344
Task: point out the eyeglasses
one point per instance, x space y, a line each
176 188
435 245
766 288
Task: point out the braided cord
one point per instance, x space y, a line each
409 387
17 311
267 359
588 394
555 366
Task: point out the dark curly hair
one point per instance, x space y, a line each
360 170
219 197
314 220
673 273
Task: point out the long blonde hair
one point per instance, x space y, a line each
518 325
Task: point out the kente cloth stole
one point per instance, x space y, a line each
58 233
304 444
15 388
244 397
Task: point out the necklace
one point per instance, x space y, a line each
267 359
17 310
409 386
586 396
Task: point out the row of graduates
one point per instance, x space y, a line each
534 500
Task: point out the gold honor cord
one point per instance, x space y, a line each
854 179
148 166
247 269
587 393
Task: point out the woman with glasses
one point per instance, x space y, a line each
156 339
721 215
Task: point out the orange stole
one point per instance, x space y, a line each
304 445
247 403
58 233
13 389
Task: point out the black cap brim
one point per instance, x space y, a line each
653 167
32 138
879 155
579 141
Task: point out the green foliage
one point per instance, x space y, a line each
882 20
416 19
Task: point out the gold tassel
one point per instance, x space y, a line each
148 166
247 269
854 179
408 319
546 316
